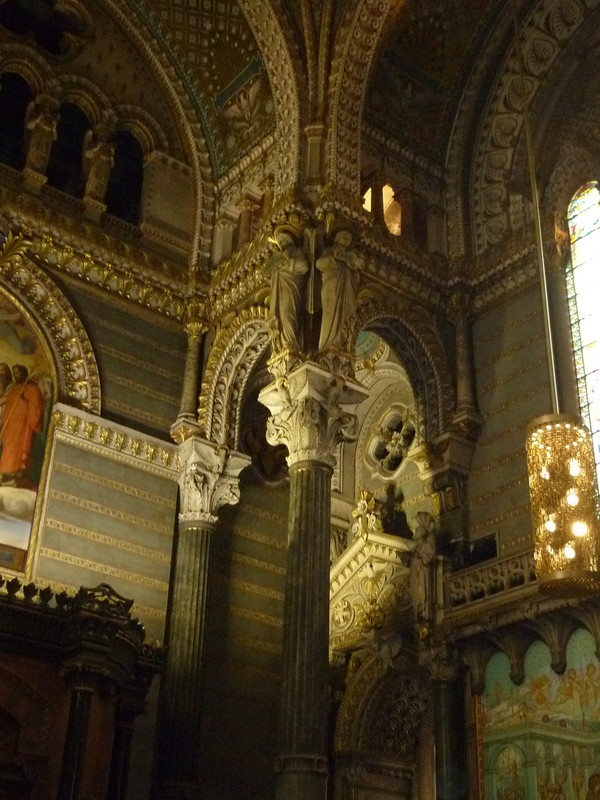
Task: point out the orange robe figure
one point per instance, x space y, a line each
22 417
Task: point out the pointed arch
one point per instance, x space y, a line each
234 354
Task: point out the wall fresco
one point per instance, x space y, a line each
541 740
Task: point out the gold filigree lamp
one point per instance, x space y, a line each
560 459
562 487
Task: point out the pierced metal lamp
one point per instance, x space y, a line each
560 460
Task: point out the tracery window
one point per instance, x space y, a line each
583 287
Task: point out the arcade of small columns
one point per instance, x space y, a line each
309 401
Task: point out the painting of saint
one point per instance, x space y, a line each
26 398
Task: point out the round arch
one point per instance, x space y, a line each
33 292
232 359
410 335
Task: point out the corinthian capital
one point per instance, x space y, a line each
209 479
307 413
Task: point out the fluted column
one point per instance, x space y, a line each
208 480
449 731
308 417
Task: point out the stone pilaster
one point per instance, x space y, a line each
308 417
208 480
185 425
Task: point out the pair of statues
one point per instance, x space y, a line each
293 290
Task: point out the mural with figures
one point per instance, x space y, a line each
541 740
26 397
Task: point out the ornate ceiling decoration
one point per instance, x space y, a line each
214 39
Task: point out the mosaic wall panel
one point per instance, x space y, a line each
510 364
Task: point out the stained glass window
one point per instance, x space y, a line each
583 285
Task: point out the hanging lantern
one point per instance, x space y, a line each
564 505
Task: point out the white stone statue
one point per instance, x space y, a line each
339 266
289 267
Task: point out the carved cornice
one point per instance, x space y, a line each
78 380
85 252
209 479
114 441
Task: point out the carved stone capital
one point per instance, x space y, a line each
209 479
308 413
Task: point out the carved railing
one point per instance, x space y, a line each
492 579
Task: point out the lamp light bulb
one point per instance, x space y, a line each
550 526
572 498
574 468
545 474
579 528
569 551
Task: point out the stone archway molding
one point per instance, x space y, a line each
233 356
77 377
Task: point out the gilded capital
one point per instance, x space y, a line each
308 414
209 479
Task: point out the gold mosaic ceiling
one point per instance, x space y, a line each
217 44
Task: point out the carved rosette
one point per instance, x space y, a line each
307 413
209 479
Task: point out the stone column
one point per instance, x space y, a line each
128 708
448 703
195 327
83 684
460 314
377 201
208 480
307 417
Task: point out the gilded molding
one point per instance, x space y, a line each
114 441
81 250
36 294
106 511
110 541
105 569
117 486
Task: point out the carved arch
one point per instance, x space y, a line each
354 49
575 166
143 126
267 21
85 94
34 293
545 34
378 696
28 63
410 335
233 356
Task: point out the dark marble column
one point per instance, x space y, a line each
185 424
209 479
450 740
73 762
125 714
307 417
